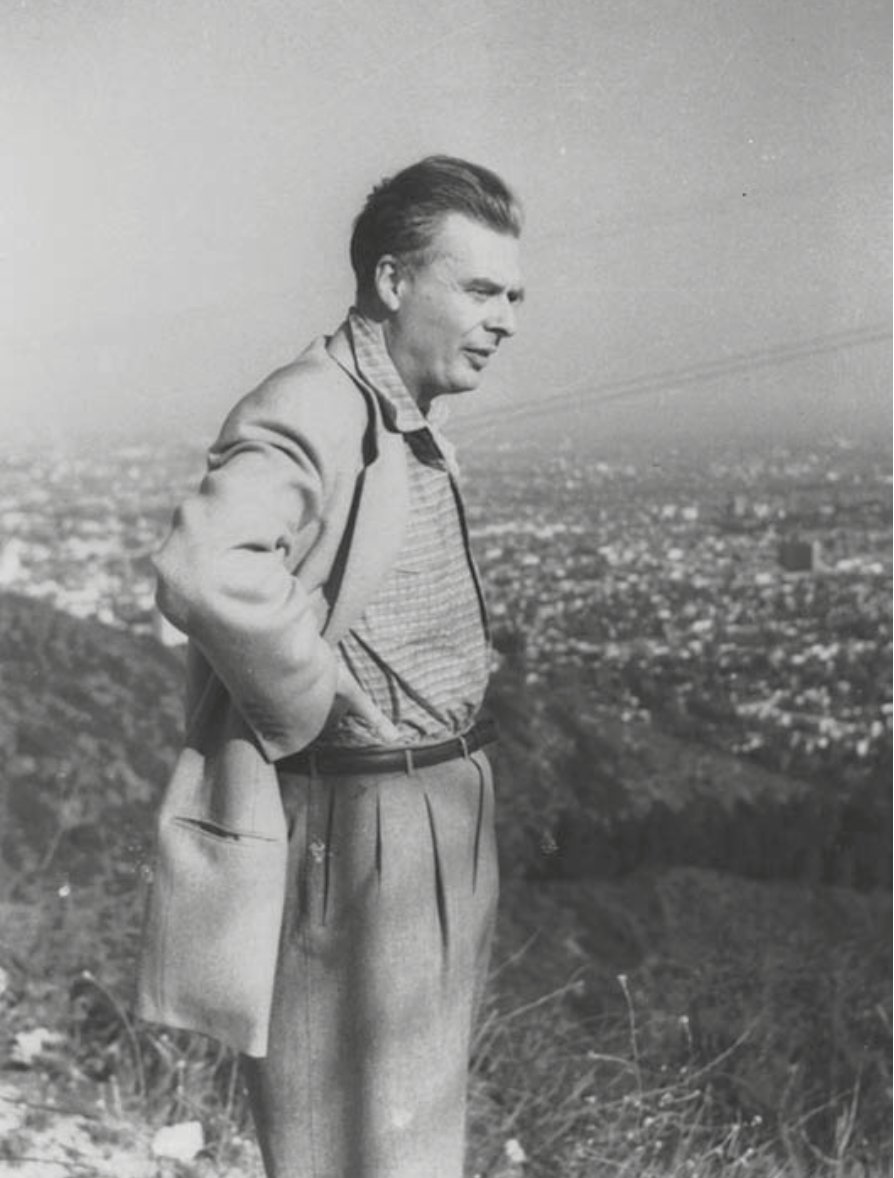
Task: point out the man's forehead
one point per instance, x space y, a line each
472 246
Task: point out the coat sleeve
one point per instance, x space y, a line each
227 573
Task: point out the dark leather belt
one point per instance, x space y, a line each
337 761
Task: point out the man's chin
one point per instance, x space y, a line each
466 382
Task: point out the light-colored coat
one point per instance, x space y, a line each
296 523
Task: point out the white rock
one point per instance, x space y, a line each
514 1152
28 1045
181 1142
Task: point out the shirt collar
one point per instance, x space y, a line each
377 368
399 410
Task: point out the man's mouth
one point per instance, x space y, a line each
480 355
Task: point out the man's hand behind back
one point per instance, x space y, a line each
351 700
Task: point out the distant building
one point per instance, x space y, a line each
738 506
11 568
800 556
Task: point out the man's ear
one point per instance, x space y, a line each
388 281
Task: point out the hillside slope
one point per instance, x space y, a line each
762 975
89 718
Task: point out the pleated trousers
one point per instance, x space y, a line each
383 959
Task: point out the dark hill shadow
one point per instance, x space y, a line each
89 723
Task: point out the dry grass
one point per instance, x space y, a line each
562 1100
701 1066
581 1112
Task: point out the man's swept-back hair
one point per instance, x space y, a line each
403 213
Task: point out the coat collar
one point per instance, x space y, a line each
340 349
392 406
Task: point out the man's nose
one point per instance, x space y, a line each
502 318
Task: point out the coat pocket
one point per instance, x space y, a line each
212 830
212 931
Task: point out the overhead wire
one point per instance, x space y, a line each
670 379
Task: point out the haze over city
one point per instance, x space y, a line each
707 189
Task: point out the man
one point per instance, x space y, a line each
326 882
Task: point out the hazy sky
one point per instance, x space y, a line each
704 180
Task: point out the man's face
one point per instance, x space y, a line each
452 312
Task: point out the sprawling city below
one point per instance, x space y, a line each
741 597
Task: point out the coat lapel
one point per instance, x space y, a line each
379 513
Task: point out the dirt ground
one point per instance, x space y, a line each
40 1137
